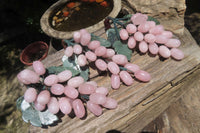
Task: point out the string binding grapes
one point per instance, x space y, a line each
66 91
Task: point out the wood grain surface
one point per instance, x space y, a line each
140 103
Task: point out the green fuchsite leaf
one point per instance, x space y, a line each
36 118
69 43
68 64
55 69
58 69
30 114
84 73
153 19
121 48
47 118
70 61
111 35
72 65
103 41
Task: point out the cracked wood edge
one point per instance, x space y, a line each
145 112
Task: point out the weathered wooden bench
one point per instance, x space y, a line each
140 103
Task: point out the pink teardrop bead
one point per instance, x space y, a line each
168 34
86 88
39 67
123 34
173 43
164 52
78 108
115 81
132 67
94 108
144 27
153 48
110 103
53 105
131 42
177 54
142 75
126 78
30 95
161 39
65 106
57 89
97 98
131 28
143 47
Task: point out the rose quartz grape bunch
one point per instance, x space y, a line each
151 37
64 97
105 59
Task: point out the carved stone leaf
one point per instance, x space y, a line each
58 69
84 73
72 65
35 117
111 35
70 61
103 41
121 48
31 115
47 118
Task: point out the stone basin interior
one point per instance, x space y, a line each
88 14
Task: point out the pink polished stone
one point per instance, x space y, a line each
142 75
177 54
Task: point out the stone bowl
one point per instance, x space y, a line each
50 31
34 51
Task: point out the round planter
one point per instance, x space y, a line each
47 28
34 51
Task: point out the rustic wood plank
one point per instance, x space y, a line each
140 103
159 104
183 115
